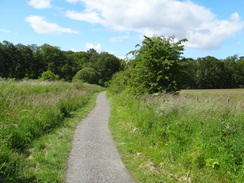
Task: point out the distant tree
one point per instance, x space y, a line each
37 65
156 65
88 75
53 58
80 60
210 73
229 71
25 57
239 72
107 65
3 62
188 72
93 57
10 60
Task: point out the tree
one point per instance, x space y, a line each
188 70
229 71
156 65
23 69
53 58
210 73
10 60
37 66
239 72
107 65
88 75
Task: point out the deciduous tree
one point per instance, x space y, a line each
156 65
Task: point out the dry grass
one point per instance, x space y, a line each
229 94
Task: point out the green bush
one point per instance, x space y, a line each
49 76
119 82
88 75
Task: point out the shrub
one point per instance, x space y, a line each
88 75
118 82
49 76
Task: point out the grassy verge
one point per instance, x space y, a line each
185 138
37 121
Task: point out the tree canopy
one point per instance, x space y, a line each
156 65
20 61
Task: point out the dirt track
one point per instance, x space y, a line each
94 157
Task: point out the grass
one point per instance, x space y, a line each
235 95
193 137
37 120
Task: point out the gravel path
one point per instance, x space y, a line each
94 157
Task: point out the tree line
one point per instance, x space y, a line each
49 62
157 65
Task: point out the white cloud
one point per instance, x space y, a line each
119 38
184 19
73 1
41 26
97 46
91 17
40 4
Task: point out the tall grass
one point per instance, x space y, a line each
189 137
29 111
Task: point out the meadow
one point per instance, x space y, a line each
37 120
195 136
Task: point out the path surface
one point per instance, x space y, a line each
94 157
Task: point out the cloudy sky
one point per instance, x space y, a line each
212 27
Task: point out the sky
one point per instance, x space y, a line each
212 27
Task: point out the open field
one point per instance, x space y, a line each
231 94
196 136
37 120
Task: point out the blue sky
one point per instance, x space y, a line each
212 27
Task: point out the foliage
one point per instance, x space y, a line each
29 111
49 76
88 75
239 74
192 138
188 71
119 81
155 67
20 61
210 73
107 65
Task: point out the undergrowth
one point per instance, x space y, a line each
32 118
171 138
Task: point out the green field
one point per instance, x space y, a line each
37 120
196 136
